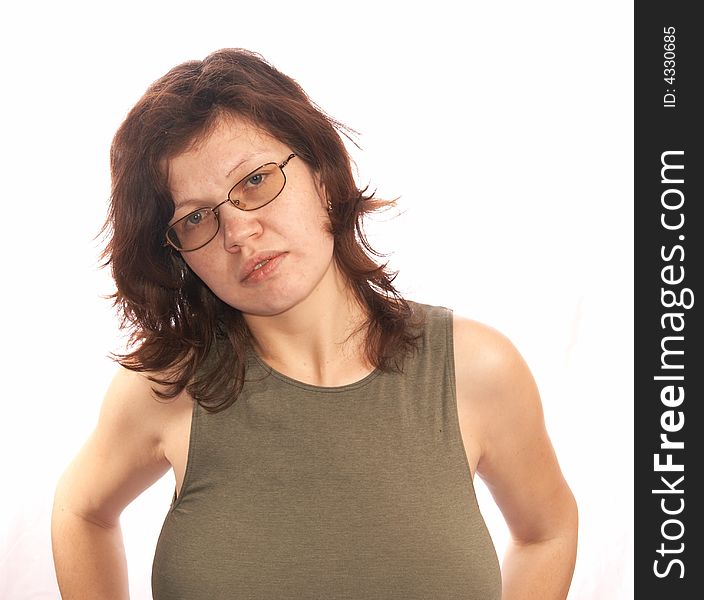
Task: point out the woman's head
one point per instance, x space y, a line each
291 228
184 107
229 106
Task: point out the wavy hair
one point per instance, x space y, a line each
181 334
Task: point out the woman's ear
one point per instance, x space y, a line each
322 192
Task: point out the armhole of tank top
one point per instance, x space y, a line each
449 337
193 436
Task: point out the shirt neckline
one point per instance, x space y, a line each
309 386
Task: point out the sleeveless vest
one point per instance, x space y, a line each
361 491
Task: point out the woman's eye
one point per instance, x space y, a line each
195 218
255 180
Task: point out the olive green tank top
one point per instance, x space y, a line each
361 491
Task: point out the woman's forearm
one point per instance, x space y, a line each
89 558
540 571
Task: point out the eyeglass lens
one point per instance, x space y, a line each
199 227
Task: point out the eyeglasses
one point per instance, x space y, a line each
253 191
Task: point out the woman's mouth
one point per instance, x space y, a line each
263 269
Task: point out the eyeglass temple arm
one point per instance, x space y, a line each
283 164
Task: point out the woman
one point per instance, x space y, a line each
323 431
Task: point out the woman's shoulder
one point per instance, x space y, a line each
474 340
133 411
495 387
135 396
482 351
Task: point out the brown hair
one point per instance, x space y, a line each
179 328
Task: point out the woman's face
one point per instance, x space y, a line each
292 226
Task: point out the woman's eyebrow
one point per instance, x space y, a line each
202 203
195 204
237 166
248 158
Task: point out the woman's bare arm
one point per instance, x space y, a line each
517 462
122 458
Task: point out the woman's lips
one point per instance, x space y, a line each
265 270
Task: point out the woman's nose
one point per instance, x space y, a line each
238 226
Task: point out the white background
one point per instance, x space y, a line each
505 127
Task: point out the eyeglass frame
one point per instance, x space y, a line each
234 203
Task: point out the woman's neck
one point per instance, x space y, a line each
320 340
